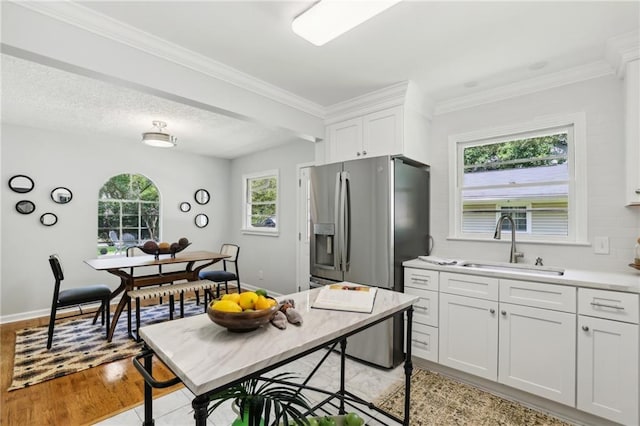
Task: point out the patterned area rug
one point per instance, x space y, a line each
438 400
78 344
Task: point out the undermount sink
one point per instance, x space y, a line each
513 268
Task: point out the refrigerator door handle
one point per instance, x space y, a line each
346 181
337 238
341 224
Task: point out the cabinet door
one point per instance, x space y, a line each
345 140
608 369
382 132
537 351
469 335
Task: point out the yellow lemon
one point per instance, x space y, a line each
234 297
248 300
226 306
262 303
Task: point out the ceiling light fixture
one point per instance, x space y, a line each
158 138
327 19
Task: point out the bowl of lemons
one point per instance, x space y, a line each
242 312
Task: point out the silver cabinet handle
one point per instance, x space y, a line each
637 191
358 153
504 312
364 152
421 342
585 328
422 308
602 305
493 311
420 280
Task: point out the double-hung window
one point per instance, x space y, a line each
532 172
260 202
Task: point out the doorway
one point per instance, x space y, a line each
303 225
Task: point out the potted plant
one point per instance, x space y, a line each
259 401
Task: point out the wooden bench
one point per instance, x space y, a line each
167 290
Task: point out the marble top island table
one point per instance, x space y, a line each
124 268
208 358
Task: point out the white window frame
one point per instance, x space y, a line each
576 158
246 207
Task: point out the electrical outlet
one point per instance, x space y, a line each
601 245
260 275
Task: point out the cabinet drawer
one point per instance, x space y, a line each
425 310
608 304
538 295
421 278
469 285
424 341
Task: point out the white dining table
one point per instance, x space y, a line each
207 358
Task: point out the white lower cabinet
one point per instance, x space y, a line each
424 284
425 342
537 351
469 335
608 355
576 346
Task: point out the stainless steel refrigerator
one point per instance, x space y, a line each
367 217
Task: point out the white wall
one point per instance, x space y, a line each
84 164
275 256
602 101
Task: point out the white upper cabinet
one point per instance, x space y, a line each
345 140
375 134
632 131
386 122
382 132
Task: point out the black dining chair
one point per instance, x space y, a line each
76 297
224 275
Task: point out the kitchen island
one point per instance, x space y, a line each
208 358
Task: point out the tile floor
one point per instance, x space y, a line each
362 380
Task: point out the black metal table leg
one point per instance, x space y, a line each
408 368
148 393
343 351
146 371
200 404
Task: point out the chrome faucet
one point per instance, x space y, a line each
514 255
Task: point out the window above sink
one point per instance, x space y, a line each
534 171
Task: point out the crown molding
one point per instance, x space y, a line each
104 26
573 75
621 50
386 97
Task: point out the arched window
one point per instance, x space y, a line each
128 213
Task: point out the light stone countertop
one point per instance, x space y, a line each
627 282
206 356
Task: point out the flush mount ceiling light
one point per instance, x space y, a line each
158 138
327 19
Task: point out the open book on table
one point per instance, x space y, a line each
346 296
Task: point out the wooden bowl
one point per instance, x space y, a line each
157 252
240 322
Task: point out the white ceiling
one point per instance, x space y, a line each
39 96
449 48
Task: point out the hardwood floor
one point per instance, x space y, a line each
77 399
